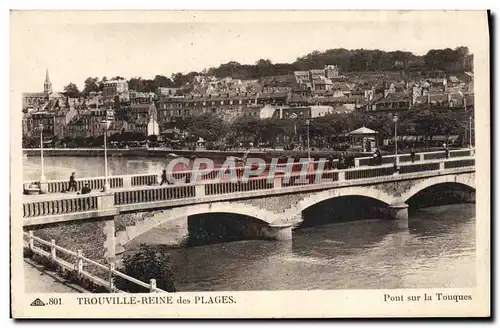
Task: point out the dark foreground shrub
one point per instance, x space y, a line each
146 264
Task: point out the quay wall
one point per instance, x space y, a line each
163 152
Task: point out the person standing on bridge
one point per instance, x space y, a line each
72 182
86 189
164 177
378 157
412 154
341 164
330 162
446 151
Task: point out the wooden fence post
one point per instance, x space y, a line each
79 262
53 249
111 267
31 241
152 287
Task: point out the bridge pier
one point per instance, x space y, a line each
399 213
278 232
109 239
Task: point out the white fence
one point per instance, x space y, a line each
79 263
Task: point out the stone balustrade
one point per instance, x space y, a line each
136 180
153 193
61 206
404 158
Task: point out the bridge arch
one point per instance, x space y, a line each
294 213
462 179
161 217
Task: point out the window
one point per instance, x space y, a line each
241 101
230 102
222 102
204 103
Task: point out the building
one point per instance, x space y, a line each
301 77
38 100
331 71
162 91
227 106
115 88
393 101
79 126
61 120
32 121
302 112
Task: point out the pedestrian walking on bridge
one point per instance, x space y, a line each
164 177
72 182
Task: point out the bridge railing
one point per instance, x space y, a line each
459 163
61 206
206 188
135 180
404 158
154 193
76 262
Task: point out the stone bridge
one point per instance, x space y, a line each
274 208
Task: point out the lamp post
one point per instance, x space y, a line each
106 182
308 148
470 132
42 176
395 119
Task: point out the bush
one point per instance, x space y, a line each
27 253
146 264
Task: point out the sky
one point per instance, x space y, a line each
73 47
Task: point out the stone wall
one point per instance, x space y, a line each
277 204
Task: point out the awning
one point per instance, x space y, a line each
363 130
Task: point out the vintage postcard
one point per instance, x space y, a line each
250 164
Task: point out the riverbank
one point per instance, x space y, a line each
213 154
164 152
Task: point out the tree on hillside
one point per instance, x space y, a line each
71 90
91 84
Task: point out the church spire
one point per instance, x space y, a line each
47 85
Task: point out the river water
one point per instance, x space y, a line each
60 168
437 250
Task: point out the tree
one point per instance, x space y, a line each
91 84
145 264
71 90
247 127
207 126
153 138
